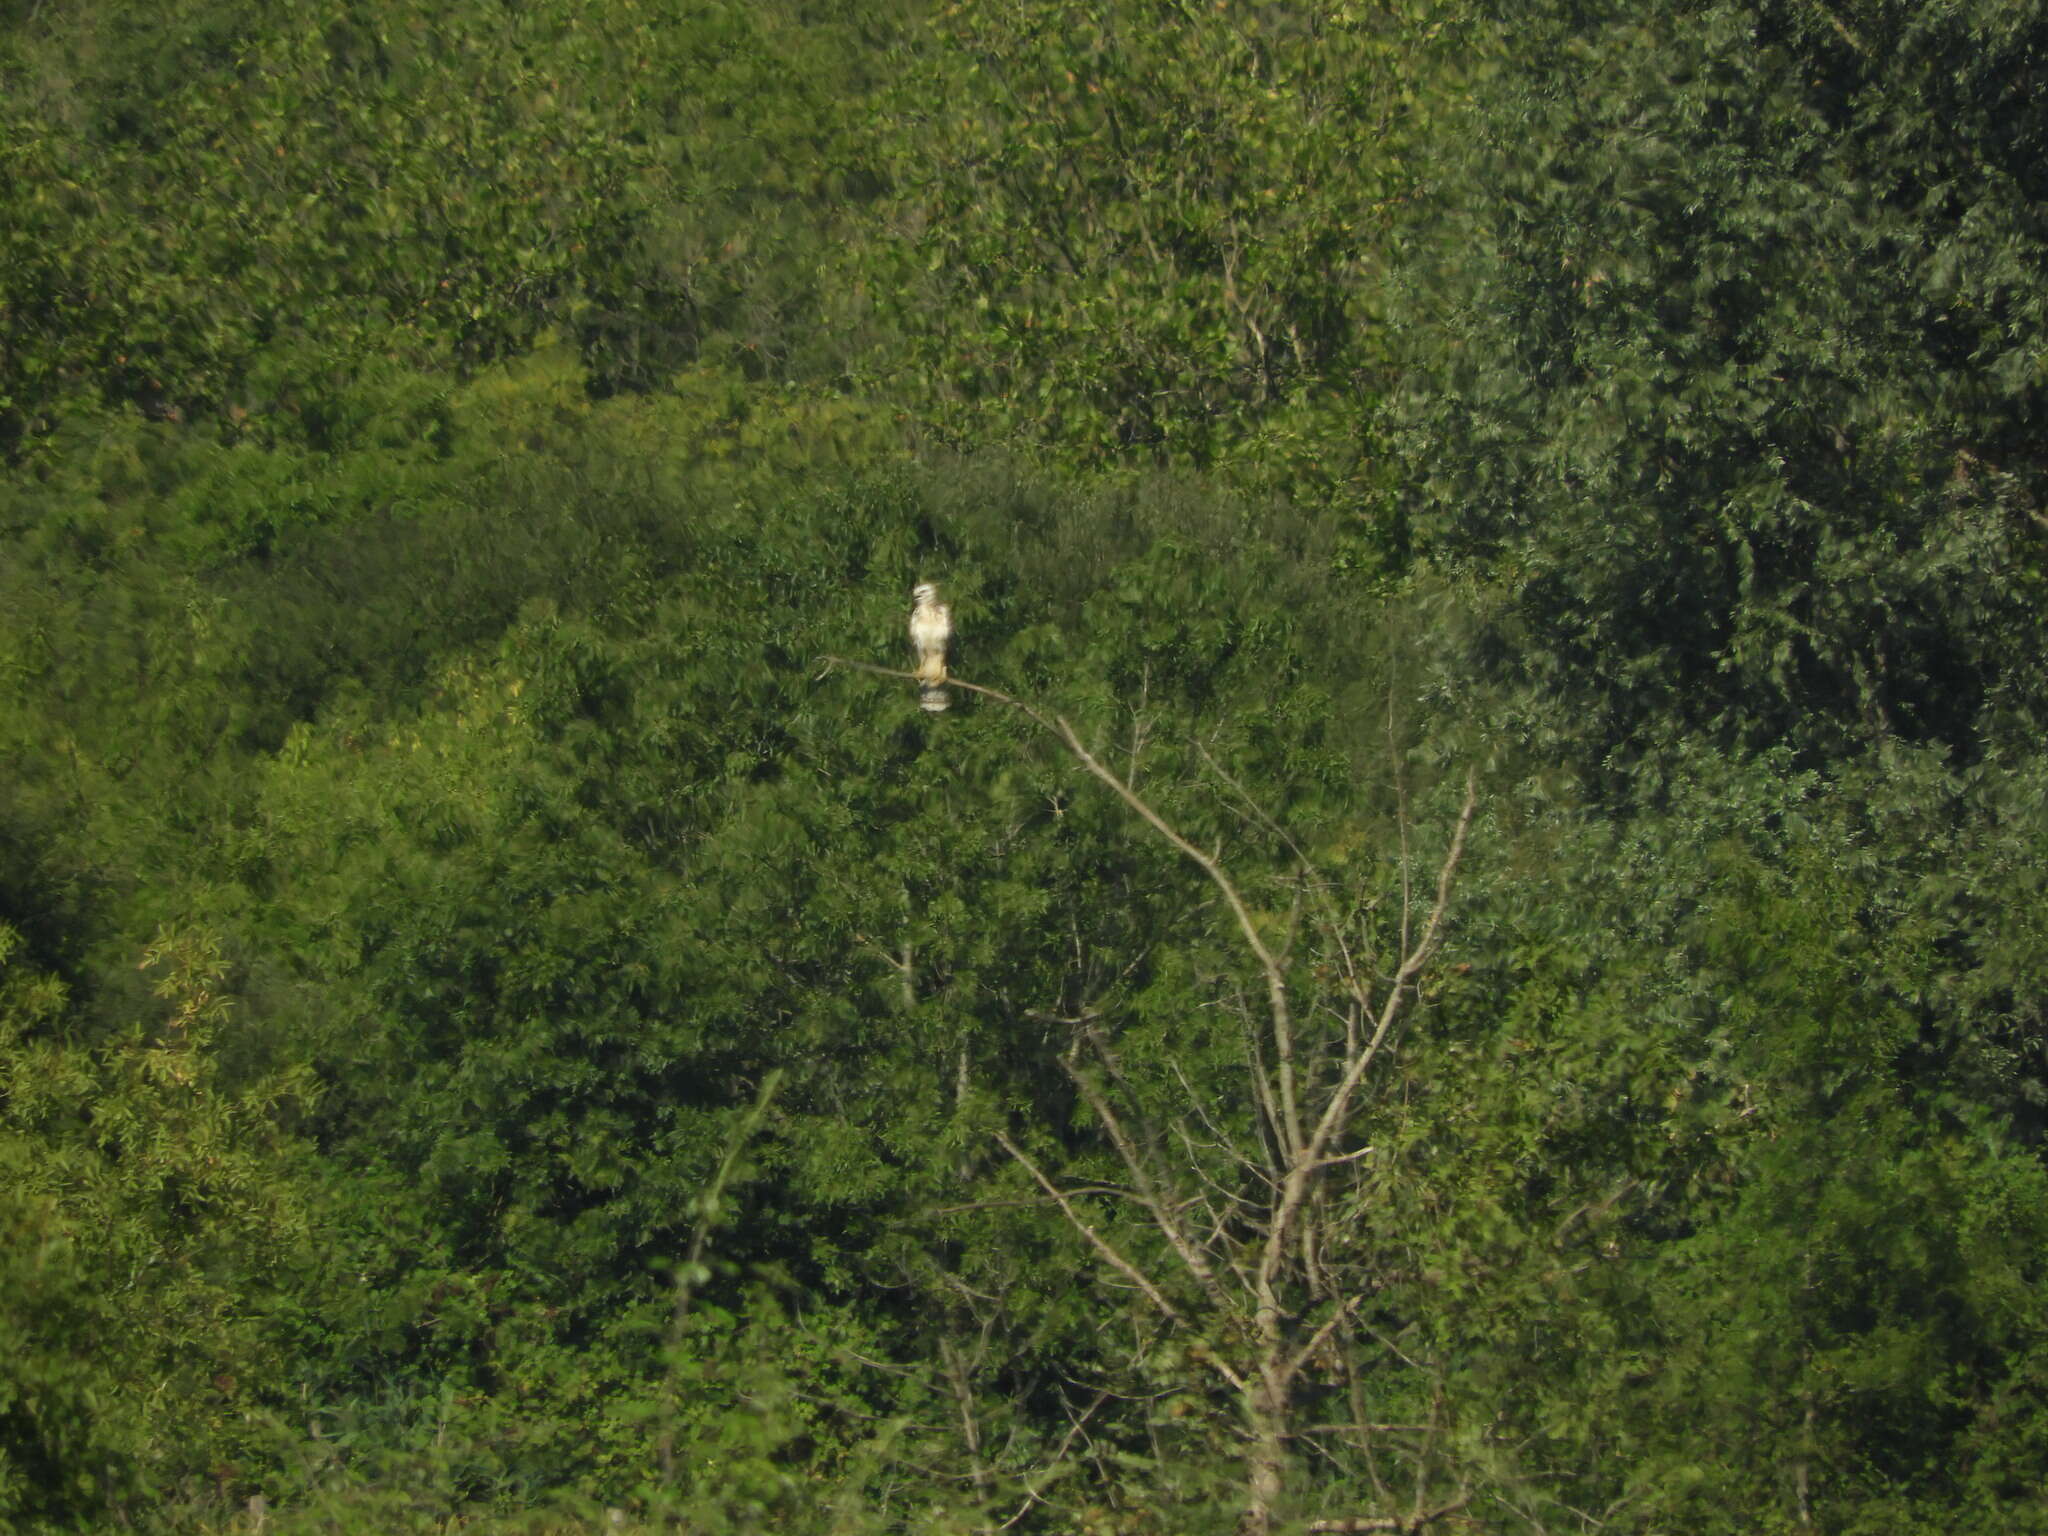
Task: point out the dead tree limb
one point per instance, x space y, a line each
1253 1278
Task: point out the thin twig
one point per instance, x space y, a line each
1329 1326
691 1272
1367 1429
1107 1250
1302 1169
1405 1525
1147 1190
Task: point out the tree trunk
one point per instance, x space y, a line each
1266 1453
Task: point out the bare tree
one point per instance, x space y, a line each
1244 1242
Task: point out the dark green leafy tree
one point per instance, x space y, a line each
1721 383
1730 367
1725 1240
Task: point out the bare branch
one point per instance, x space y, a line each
1019 1203
1339 1106
1254 1248
1276 982
959 1373
1290 1126
1269 1112
1365 1429
1329 1326
1076 1426
1302 1169
1109 1254
862 666
1268 1175
1310 882
1405 1525
1219 1204
1147 1190
1344 1157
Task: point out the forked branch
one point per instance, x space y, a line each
1260 1259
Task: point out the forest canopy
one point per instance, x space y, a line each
1468 955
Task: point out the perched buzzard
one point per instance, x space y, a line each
931 627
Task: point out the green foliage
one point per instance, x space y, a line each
1730 344
1716 1180
242 214
1152 233
152 1207
533 911
445 447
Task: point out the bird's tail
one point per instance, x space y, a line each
933 697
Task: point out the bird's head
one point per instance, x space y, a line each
925 592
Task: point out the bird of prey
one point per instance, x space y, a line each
931 628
